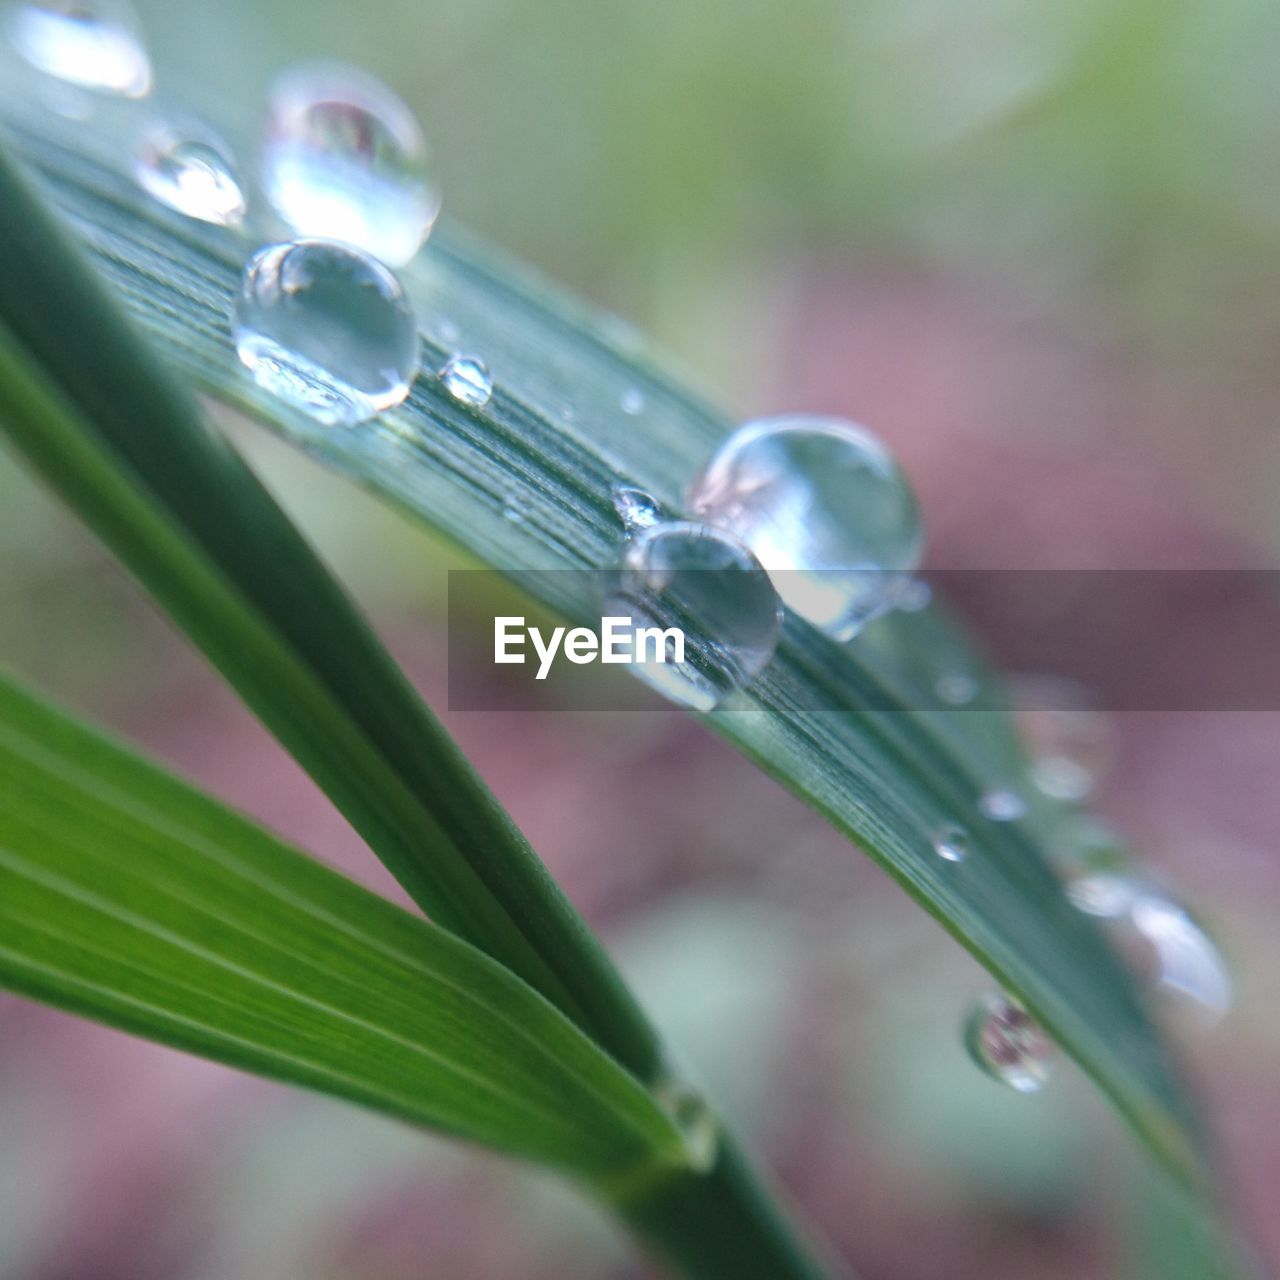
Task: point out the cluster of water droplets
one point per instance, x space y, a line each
1068 746
321 321
809 511
814 513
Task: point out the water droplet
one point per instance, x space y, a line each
636 509
94 43
825 508
467 380
1008 1044
914 596
708 585
190 171
632 401
1161 937
955 688
449 332
1110 897
328 329
1085 844
999 804
343 158
952 843
1068 739
692 1115
1189 965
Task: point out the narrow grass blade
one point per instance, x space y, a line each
129 897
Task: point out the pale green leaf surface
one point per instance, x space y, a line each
127 896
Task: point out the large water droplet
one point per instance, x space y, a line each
1161 937
343 158
1000 804
1008 1044
1190 966
825 508
190 171
952 844
467 380
326 328
708 585
636 509
94 43
1068 739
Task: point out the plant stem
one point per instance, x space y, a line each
725 1224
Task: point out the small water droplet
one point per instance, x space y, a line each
94 43
704 582
1084 844
449 332
190 171
326 328
343 158
636 509
632 401
999 804
514 509
952 843
689 1110
914 596
1068 739
1110 897
955 688
1008 1044
825 508
467 380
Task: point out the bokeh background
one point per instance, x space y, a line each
1034 245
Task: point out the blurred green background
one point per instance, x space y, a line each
1035 246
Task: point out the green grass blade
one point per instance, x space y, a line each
129 897
887 779
82 399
